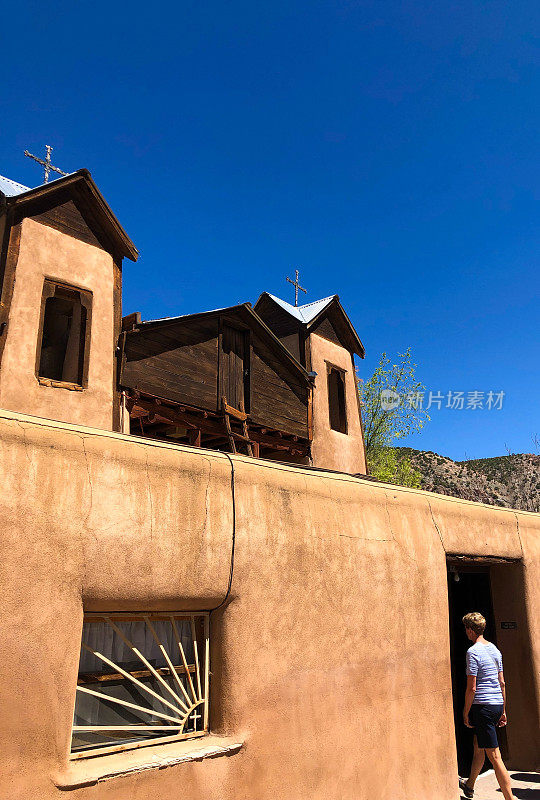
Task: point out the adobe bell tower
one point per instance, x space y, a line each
321 337
60 304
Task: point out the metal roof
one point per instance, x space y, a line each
307 312
80 186
12 188
310 313
184 316
304 313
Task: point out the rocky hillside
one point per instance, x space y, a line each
512 481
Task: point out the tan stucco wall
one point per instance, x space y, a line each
331 449
47 253
331 658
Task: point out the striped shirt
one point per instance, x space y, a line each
484 661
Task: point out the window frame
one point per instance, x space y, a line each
50 287
199 685
330 367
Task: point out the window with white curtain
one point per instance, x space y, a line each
143 678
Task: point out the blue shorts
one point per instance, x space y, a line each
484 719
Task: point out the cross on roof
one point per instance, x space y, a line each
46 164
297 287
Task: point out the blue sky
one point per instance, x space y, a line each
388 149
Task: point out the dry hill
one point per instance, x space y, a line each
512 481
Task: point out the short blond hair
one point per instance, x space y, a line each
475 622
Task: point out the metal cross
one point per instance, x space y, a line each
297 287
46 164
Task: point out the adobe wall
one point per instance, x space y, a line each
47 253
330 661
332 449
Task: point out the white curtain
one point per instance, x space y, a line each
102 638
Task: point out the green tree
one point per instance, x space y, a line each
391 410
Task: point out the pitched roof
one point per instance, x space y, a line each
311 314
307 312
180 317
245 311
11 188
80 187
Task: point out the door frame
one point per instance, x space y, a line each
235 325
476 564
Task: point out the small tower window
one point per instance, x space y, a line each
336 399
64 334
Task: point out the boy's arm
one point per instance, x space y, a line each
502 683
469 697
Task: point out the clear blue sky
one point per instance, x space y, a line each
388 149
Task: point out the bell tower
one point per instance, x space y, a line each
322 338
60 308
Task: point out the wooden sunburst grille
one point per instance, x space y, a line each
142 677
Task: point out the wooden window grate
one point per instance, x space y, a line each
143 679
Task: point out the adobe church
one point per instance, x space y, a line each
277 380
203 593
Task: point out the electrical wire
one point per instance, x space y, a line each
233 538
233 497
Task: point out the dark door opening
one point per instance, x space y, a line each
469 589
234 367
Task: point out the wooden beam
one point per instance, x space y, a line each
98 728
183 657
206 671
182 417
196 653
195 437
132 679
104 677
310 413
234 412
167 659
110 699
131 321
142 658
214 428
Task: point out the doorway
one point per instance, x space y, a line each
469 589
234 367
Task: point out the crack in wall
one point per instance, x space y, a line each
85 521
394 539
207 497
392 534
436 526
149 489
519 535
25 441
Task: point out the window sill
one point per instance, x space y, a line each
72 387
104 768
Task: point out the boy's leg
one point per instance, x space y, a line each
477 763
503 778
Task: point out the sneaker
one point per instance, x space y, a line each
467 791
